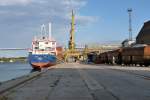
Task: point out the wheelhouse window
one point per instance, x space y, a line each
36 48
53 43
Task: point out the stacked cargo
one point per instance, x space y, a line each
59 53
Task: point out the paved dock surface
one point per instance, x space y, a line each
85 82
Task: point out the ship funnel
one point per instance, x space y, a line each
50 29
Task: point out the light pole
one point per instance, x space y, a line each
130 23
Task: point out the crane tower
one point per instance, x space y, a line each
71 43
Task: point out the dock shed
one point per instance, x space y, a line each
144 35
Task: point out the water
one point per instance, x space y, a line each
10 71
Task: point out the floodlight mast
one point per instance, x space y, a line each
130 23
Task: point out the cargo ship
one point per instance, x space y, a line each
43 52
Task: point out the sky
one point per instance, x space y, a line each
97 21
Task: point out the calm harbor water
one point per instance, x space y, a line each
10 71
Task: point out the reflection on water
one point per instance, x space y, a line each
10 71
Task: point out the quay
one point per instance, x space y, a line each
75 81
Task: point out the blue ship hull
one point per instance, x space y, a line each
39 61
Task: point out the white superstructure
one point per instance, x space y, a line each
44 44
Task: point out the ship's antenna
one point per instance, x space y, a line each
50 29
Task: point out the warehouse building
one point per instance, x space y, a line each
144 34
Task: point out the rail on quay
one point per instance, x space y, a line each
8 85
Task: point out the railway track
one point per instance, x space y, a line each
10 88
67 80
146 77
14 83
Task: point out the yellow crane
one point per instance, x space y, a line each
71 52
71 43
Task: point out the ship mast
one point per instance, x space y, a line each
43 31
50 29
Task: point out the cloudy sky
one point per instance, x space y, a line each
97 21
20 20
